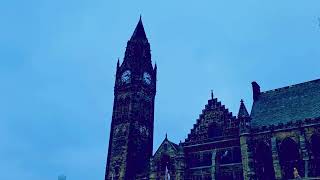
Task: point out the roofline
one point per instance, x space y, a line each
290 86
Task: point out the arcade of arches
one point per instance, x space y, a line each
285 155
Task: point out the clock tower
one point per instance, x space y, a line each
131 132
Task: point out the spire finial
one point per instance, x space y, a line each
211 94
140 18
166 136
241 101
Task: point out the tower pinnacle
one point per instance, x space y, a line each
242 110
139 32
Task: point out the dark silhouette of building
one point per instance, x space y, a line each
280 137
131 136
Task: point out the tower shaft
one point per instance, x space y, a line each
131 133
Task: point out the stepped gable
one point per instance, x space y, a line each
214 117
290 103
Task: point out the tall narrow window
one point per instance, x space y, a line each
315 162
290 158
263 162
214 130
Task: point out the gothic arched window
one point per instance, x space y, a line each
237 155
290 158
315 148
224 156
263 162
214 130
315 145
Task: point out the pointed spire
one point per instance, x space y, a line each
155 66
242 110
139 32
166 137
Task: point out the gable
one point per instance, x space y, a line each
214 121
166 147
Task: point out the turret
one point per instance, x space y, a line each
244 118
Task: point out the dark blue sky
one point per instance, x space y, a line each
58 58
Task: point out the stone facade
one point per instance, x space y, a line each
281 133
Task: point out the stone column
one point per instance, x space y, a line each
304 153
152 173
180 164
275 159
179 169
213 164
247 157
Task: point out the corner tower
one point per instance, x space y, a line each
131 132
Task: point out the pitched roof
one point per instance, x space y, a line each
160 149
291 103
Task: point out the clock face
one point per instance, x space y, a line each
146 78
125 77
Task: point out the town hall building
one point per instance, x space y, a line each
278 139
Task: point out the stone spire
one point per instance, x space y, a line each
244 118
137 57
243 113
139 33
